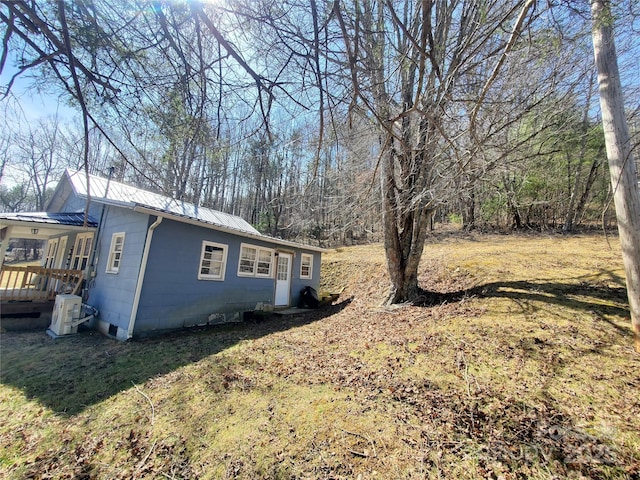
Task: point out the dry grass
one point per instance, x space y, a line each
523 369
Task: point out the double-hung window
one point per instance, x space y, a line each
306 266
213 261
115 253
255 261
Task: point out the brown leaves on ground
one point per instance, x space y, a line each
439 421
528 373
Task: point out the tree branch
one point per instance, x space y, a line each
496 70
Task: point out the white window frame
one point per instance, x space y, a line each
309 258
223 262
81 255
255 261
115 256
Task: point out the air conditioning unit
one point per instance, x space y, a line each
66 313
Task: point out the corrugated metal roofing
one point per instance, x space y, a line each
131 197
64 218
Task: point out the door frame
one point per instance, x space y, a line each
289 279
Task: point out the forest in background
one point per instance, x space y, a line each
282 140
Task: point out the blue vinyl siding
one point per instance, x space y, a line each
299 283
76 204
172 295
112 294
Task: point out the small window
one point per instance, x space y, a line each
255 262
115 253
213 261
306 265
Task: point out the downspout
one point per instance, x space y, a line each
143 269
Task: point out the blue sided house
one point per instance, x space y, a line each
151 263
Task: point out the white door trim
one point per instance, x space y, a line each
284 265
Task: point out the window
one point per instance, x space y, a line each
213 261
247 260
265 259
255 261
306 265
81 251
115 253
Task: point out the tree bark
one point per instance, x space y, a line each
405 231
624 177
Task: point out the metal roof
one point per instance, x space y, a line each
65 218
43 225
137 199
128 196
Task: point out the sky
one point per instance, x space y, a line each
26 105
33 105
29 101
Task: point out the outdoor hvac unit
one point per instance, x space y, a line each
66 313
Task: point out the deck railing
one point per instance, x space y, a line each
37 283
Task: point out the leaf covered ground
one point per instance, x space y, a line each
521 366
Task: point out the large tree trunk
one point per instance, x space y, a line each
405 230
624 177
405 60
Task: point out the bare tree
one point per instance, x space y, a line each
624 177
38 154
5 142
413 66
15 198
204 101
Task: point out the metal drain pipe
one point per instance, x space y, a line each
143 269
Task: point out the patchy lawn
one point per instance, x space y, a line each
523 367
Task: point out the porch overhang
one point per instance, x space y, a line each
43 225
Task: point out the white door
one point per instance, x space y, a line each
283 279
60 256
52 250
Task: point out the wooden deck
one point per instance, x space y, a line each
37 284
